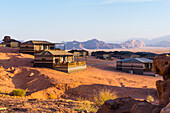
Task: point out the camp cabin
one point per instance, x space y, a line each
79 53
8 42
101 55
59 60
34 46
121 54
148 55
135 65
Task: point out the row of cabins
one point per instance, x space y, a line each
122 54
47 55
35 46
135 63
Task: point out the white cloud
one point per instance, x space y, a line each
125 1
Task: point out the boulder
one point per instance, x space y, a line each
145 107
128 105
163 89
161 66
166 109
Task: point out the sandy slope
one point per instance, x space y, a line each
86 84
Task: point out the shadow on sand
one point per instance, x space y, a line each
89 91
14 61
33 83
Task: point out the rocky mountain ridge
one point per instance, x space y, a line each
96 44
163 41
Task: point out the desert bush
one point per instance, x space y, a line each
18 92
103 96
150 98
86 105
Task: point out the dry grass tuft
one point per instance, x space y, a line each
18 92
150 98
103 96
86 105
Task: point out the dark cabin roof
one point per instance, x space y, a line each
38 42
13 40
55 52
136 60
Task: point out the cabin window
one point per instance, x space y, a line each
64 58
45 47
147 66
52 47
56 61
151 65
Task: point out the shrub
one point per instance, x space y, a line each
18 92
86 105
150 98
103 96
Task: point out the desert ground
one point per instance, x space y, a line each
40 83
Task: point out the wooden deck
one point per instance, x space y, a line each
71 67
81 63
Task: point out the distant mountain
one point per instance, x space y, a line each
96 44
133 44
156 42
161 44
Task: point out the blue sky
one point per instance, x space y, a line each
66 20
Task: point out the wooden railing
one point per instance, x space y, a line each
81 63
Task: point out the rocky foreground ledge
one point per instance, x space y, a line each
34 105
129 105
162 67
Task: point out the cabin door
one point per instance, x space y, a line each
65 58
56 61
45 47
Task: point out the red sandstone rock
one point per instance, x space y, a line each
128 105
161 66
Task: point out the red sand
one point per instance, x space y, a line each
83 84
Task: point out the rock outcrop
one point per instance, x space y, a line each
161 66
166 109
128 105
